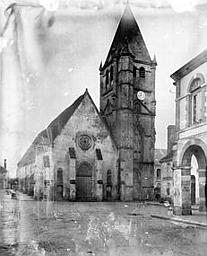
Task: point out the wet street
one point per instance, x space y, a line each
29 227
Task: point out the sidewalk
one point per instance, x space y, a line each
198 219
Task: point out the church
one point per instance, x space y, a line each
91 154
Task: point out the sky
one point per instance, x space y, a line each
51 54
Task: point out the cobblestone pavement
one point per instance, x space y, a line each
29 227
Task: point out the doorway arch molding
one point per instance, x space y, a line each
195 142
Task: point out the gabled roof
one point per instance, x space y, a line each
129 31
190 66
47 136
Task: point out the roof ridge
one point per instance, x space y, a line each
54 128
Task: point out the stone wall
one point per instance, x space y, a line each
85 121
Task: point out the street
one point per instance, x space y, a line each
29 227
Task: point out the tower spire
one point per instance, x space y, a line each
128 28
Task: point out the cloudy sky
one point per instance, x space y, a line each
51 54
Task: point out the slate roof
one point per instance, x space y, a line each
47 136
191 65
167 158
159 154
129 31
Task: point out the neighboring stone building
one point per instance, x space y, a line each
191 126
167 183
87 155
159 154
3 176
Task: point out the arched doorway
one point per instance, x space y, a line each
109 185
84 182
194 158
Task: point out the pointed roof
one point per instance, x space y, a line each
47 136
129 30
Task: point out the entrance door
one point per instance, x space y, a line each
193 190
59 193
84 182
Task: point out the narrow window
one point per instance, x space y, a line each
111 74
195 102
109 179
99 154
158 173
142 72
109 185
195 108
59 175
46 161
168 189
107 77
134 72
72 153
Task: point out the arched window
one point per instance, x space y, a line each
134 72
142 72
111 74
195 99
158 173
195 84
59 175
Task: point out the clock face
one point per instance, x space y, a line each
140 95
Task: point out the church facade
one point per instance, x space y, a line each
87 154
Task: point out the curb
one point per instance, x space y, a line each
199 224
155 204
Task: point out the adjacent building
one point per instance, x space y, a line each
87 154
190 150
167 182
3 176
159 154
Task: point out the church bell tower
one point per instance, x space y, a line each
127 103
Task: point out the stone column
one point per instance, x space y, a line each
99 181
182 191
72 178
177 195
186 190
202 182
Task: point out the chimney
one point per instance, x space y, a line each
4 163
171 133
